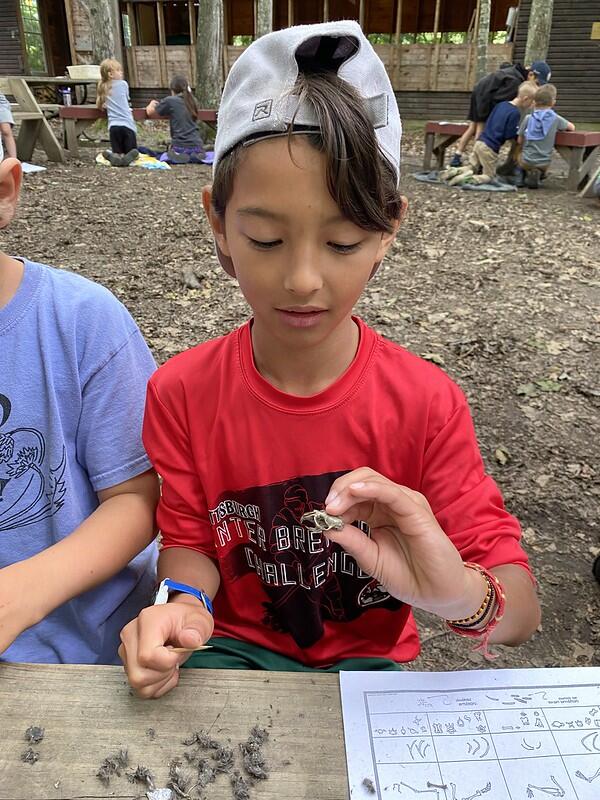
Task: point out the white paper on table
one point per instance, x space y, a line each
492 734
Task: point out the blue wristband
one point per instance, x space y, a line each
167 586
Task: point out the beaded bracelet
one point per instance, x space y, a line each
490 612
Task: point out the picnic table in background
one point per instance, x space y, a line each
77 118
89 713
33 124
580 149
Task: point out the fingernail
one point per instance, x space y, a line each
357 485
331 497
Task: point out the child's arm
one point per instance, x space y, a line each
416 562
121 526
153 669
151 109
570 126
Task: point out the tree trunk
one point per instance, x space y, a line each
104 29
538 31
209 54
483 38
264 17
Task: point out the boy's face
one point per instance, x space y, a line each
10 186
300 264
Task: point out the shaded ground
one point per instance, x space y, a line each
502 290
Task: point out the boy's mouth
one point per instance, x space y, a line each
301 316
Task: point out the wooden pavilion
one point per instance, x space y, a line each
428 46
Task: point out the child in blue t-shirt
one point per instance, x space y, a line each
77 494
112 94
502 126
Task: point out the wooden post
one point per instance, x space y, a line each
70 31
325 10
290 13
361 14
162 54
474 33
210 47
433 67
131 51
397 50
192 18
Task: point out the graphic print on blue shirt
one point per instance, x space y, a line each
31 488
307 578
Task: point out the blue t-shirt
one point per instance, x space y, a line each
502 125
117 106
73 374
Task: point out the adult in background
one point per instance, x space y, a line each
498 86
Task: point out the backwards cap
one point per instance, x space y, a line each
257 98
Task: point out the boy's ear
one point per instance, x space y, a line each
388 238
217 224
10 188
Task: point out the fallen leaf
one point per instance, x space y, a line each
502 455
436 358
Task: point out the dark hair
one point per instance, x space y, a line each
180 85
359 177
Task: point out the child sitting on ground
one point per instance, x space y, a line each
8 146
306 409
537 135
113 95
502 126
77 492
182 110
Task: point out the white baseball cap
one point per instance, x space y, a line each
258 93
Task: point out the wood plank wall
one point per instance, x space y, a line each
11 59
573 56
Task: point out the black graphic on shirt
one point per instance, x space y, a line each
31 489
307 578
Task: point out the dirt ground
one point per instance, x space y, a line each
501 290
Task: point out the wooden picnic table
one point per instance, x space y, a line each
89 713
580 149
76 119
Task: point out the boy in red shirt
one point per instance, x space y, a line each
305 408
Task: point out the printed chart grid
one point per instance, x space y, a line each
497 744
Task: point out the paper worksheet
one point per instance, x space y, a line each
490 734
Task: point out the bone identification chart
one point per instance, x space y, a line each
490 734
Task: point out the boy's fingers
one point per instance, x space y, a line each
409 509
159 687
363 549
169 684
341 483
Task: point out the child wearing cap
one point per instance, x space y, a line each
537 134
498 86
305 409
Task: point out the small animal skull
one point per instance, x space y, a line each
321 521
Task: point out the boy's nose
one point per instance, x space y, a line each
302 275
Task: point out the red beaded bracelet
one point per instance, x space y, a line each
484 633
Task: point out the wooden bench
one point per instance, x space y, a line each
580 149
76 119
33 125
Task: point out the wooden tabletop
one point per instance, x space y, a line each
89 713
63 80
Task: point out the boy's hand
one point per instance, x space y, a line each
407 552
151 666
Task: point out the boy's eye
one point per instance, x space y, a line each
264 245
344 248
